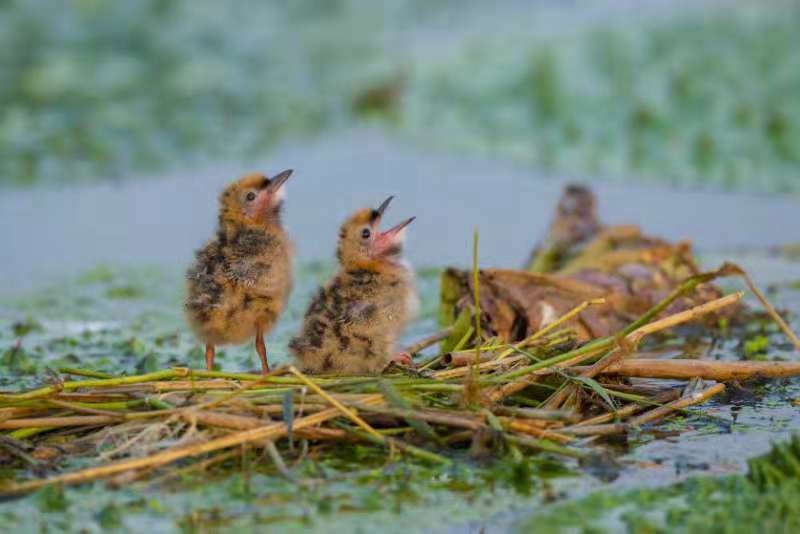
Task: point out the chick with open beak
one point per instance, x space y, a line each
353 323
240 281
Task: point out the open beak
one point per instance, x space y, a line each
390 239
396 229
278 180
382 208
269 196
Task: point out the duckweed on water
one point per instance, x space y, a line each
325 498
707 98
96 89
359 488
130 320
75 325
737 504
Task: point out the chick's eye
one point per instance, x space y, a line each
250 196
365 233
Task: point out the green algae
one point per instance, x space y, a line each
755 348
74 324
126 320
360 490
59 328
705 97
100 90
740 503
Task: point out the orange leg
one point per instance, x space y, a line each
261 348
210 356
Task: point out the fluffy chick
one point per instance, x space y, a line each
576 216
353 323
240 280
575 223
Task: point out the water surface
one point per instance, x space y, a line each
59 231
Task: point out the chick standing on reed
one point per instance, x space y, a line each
353 323
241 279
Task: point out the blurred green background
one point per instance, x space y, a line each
702 93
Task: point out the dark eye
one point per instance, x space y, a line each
365 233
250 196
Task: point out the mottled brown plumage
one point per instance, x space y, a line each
239 282
353 323
575 223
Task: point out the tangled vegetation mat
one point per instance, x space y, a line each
536 372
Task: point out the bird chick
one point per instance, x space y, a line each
240 280
353 323
576 217
575 223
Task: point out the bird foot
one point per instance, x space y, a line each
403 358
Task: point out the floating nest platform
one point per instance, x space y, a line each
546 394
544 360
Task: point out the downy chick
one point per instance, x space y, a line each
575 223
238 285
353 323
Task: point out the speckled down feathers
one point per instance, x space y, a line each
239 284
353 323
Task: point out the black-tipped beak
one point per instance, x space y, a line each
396 229
278 180
382 208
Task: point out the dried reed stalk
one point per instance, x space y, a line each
271 431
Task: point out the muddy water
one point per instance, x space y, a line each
160 220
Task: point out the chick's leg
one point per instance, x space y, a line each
403 358
210 351
261 348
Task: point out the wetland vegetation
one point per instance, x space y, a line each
128 321
98 90
102 91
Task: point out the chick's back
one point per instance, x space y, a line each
238 284
353 323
